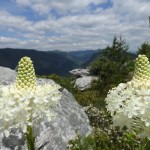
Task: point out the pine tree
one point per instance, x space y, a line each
113 66
145 49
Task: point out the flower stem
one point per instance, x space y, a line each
30 138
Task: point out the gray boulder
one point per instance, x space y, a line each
84 82
53 135
6 75
80 72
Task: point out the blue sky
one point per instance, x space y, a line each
69 25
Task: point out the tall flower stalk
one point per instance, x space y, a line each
26 81
24 103
129 103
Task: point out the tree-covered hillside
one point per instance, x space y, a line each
45 63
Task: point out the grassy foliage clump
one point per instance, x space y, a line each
88 97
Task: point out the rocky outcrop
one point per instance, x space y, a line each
6 75
84 79
80 72
84 82
53 135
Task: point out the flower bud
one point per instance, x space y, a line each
26 74
142 69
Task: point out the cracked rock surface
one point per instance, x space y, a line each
53 135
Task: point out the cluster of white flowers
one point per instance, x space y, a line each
129 103
24 103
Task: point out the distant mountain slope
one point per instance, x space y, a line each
79 57
68 56
99 54
93 58
45 63
84 55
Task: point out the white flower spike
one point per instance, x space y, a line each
24 103
129 103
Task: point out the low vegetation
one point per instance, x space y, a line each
104 135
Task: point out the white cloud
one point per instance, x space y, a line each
62 6
23 2
4 40
9 21
78 30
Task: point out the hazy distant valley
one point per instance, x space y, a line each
47 62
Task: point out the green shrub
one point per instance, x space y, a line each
88 97
99 140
